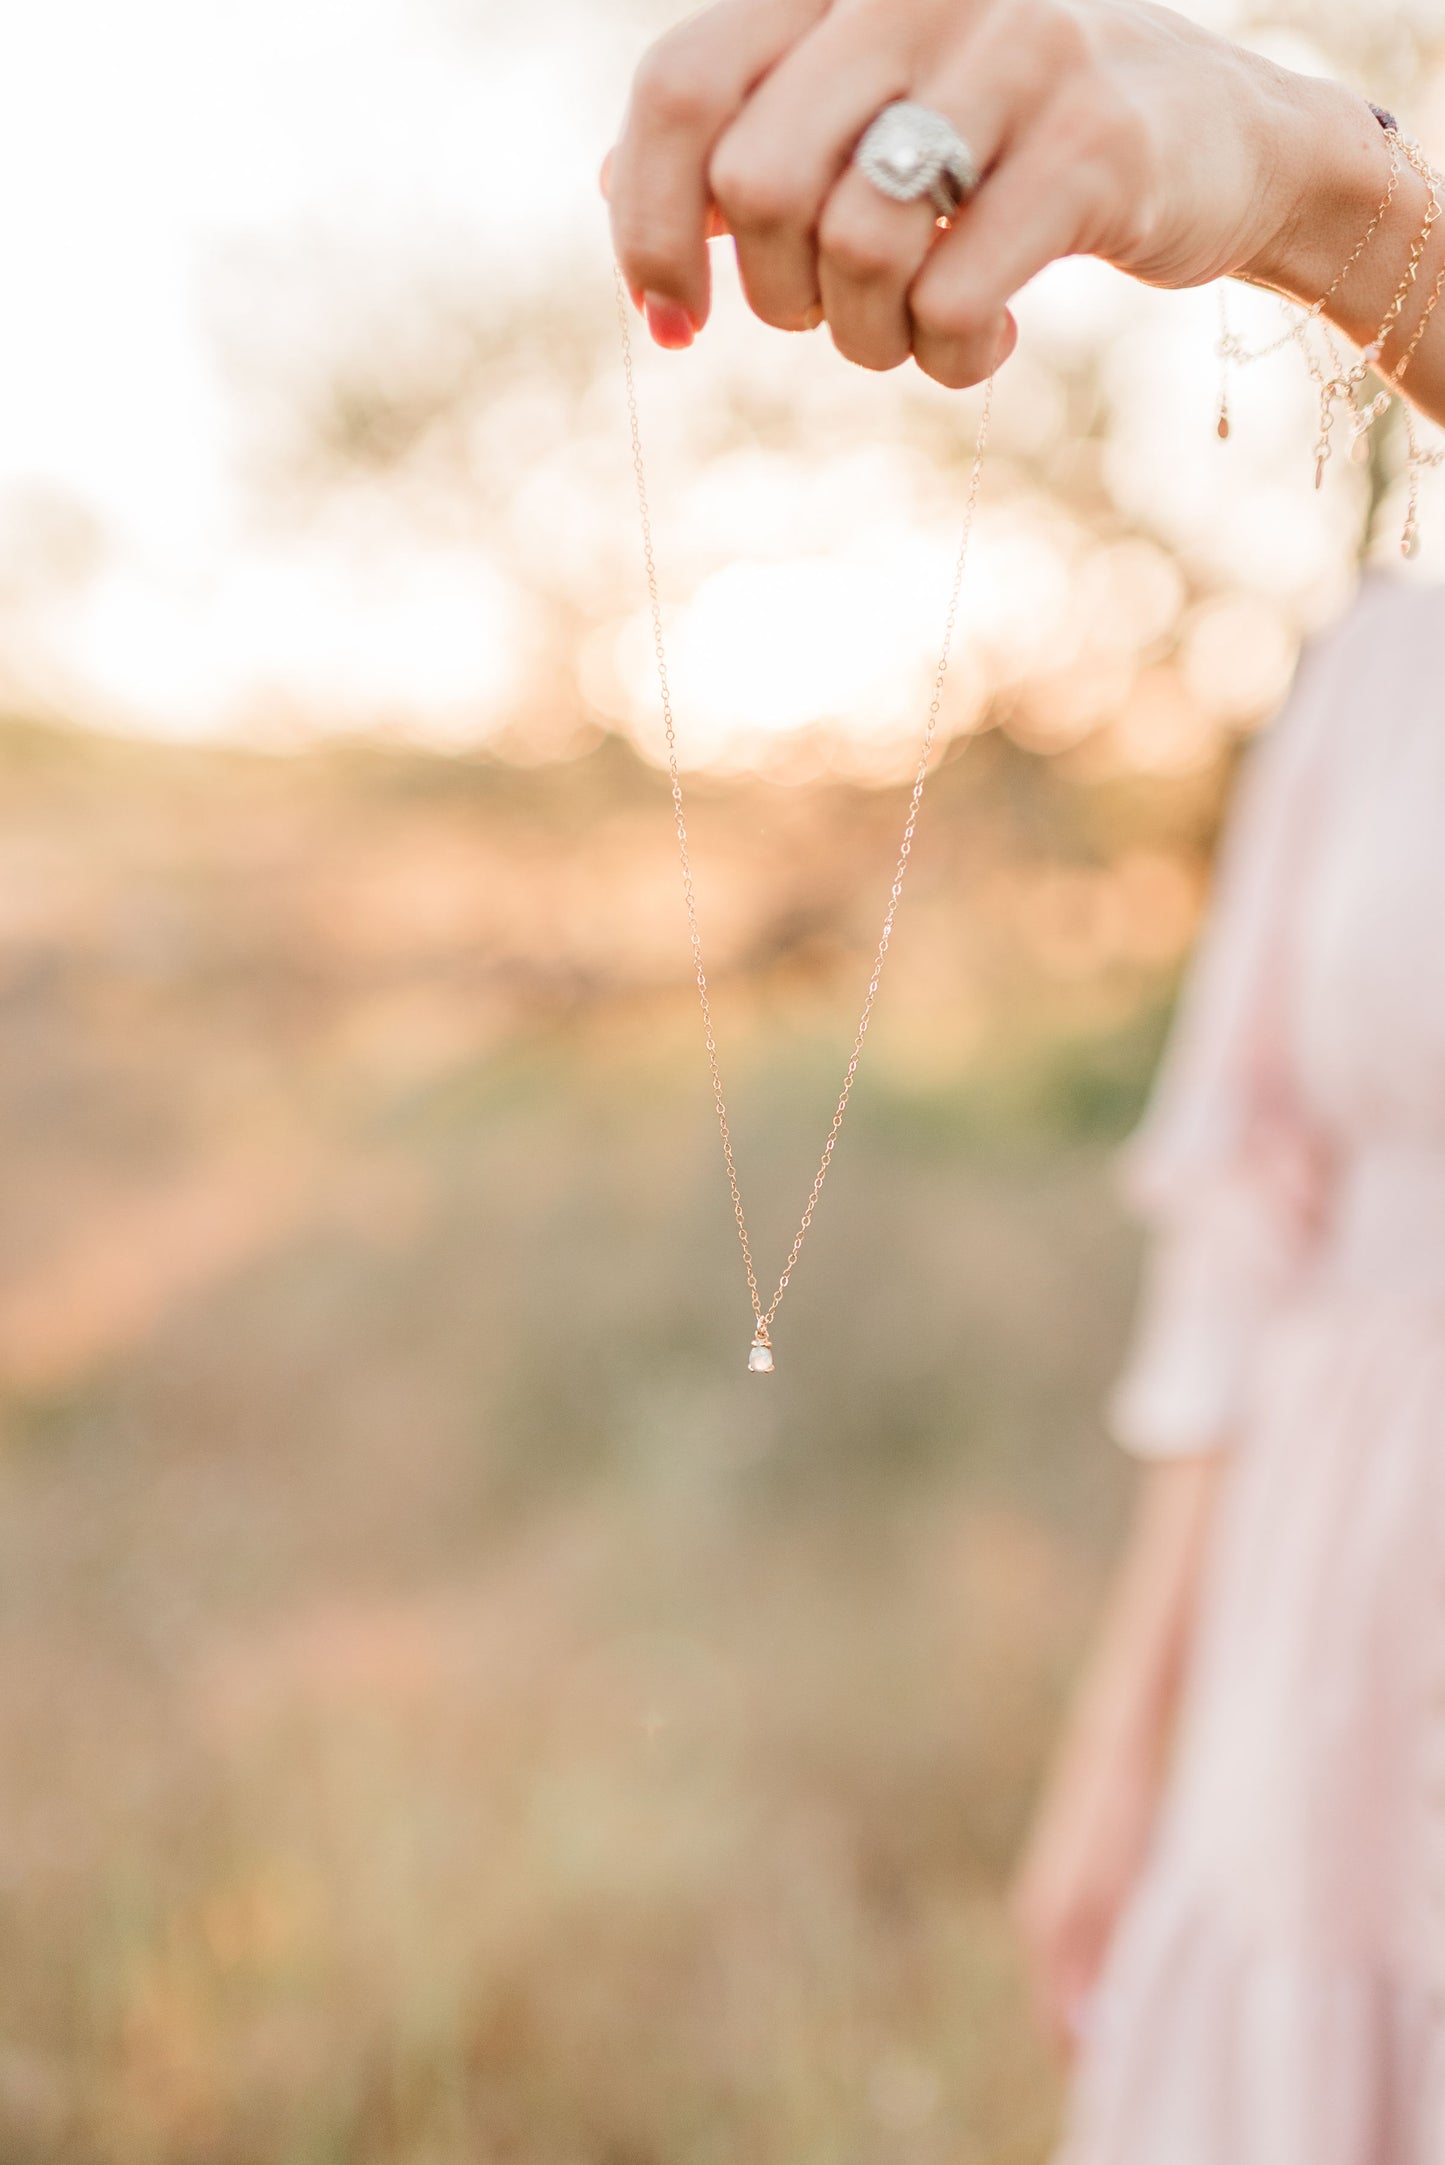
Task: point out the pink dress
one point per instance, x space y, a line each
1276 1992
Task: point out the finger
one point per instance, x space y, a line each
604 183
1035 207
686 91
717 225
774 168
872 249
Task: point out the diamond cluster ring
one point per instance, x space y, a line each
911 152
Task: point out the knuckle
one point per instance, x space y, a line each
1024 28
646 258
750 194
1062 38
957 331
953 315
1097 124
859 252
672 90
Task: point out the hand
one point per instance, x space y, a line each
1097 1817
1111 128
1078 1871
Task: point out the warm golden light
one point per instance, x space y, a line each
363 197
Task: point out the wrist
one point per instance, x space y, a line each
1329 167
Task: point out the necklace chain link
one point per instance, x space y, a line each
764 1316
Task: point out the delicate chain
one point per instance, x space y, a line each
764 1316
1431 178
1232 349
1337 383
1395 376
1340 384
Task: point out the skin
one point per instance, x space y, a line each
1111 128
1098 1810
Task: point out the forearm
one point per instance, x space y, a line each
1331 168
1130 1690
1097 1815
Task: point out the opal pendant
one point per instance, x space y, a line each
760 1360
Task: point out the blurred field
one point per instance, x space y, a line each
448 1710
450 1713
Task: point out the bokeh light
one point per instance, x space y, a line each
446 1713
278 403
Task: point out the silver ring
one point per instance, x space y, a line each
911 152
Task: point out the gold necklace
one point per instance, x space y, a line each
760 1357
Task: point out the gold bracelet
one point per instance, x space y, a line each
1337 382
1341 386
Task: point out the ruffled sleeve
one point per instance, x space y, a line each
1227 1167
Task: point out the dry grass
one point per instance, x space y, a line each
449 1713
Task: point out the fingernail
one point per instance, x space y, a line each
669 323
814 317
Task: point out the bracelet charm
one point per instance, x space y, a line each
1338 382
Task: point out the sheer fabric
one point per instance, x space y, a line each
1276 1995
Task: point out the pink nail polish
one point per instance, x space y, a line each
669 323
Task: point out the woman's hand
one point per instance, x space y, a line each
1081 1864
1102 127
